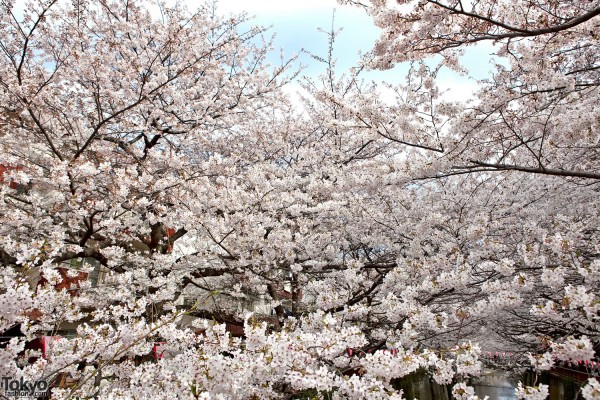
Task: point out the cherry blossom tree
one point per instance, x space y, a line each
517 167
160 148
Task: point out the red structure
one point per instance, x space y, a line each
70 283
156 350
3 168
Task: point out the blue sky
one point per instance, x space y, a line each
296 24
297 29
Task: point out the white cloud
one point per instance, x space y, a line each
459 90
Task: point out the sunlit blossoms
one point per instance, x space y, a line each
539 392
592 390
